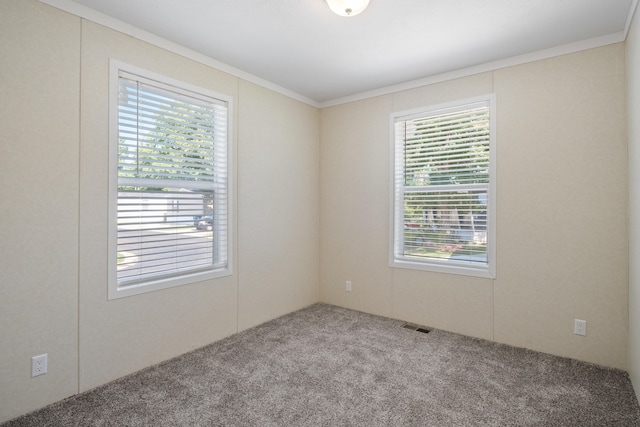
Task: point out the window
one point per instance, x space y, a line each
443 188
169 183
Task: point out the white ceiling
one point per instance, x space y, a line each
300 45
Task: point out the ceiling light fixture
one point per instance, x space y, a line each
347 7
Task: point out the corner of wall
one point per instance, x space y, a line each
633 135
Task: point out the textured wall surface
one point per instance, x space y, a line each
39 139
561 210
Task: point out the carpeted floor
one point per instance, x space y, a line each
328 366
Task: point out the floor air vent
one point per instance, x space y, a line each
417 328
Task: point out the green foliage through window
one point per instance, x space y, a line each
172 181
442 182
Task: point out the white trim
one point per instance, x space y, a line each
157 285
459 269
632 11
492 207
482 68
112 228
114 291
121 26
452 267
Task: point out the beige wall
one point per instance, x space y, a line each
278 210
353 204
562 206
39 151
561 195
53 290
633 121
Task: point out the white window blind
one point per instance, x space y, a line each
172 182
442 187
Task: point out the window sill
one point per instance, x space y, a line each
116 292
463 268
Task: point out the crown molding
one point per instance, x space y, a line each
632 11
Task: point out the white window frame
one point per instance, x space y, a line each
396 240
114 290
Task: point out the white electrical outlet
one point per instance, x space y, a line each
579 327
39 365
348 286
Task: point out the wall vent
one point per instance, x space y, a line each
417 328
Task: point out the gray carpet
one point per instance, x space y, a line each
328 366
